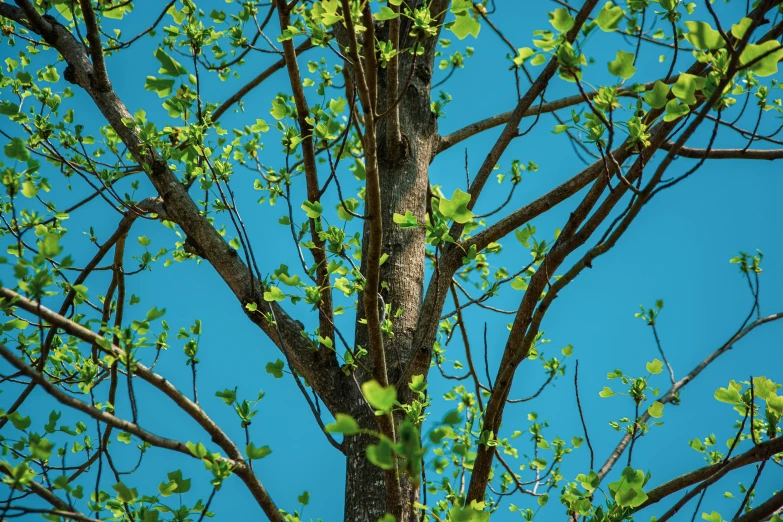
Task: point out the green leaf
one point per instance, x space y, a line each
702 36
655 367
19 422
738 30
386 13
166 489
117 12
775 404
589 482
351 204
29 189
282 275
561 19
313 209
168 65
417 384
50 245
379 397
519 283
628 490
344 424
609 17
567 350
154 313
538 59
381 454
606 392
629 497
764 388
50 74
254 453
712 517
766 66
162 86
15 324
273 293
15 149
198 450
338 105
275 369
304 498
260 126
8 109
124 437
124 493
523 54
622 66
686 86
406 221
41 448
228 396
656 410
729 395
463 25
675 110
472 513
456 208
452 418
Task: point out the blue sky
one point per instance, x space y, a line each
677 250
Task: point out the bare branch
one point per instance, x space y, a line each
679 385
694 153
511 129
100 77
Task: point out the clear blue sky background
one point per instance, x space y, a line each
677 250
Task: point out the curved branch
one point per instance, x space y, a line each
193 410
756 454
679 385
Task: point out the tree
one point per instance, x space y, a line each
382 250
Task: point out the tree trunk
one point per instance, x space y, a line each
365 493
404 184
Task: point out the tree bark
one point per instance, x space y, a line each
404 181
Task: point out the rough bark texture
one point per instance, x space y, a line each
404 181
